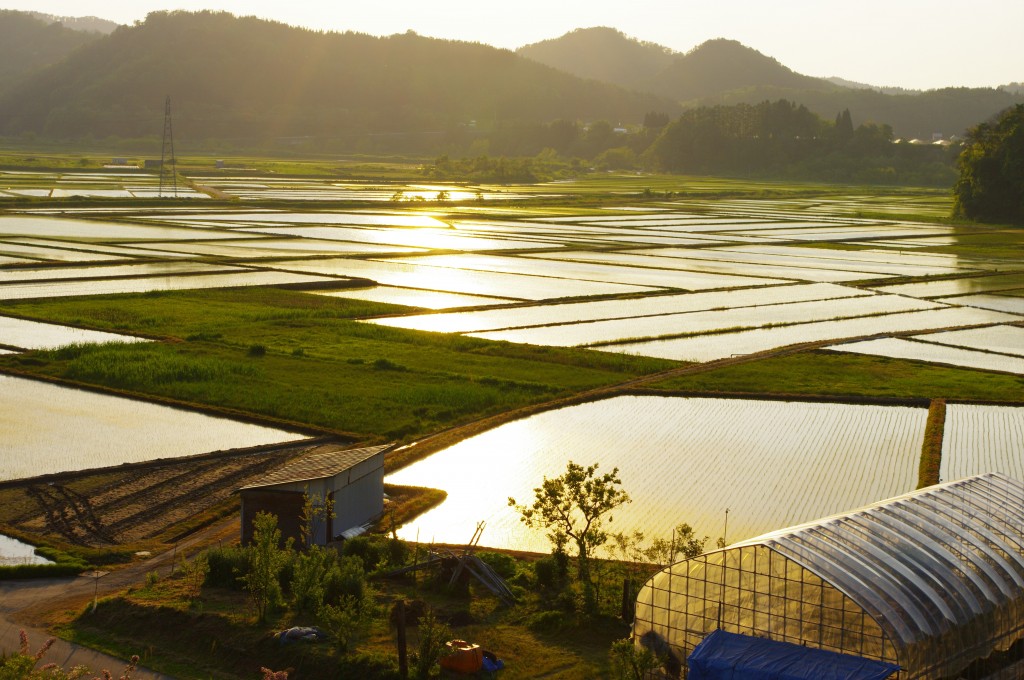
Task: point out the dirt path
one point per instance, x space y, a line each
28 605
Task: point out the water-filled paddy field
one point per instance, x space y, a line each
13 551
771 463
684 280
49 428
982 439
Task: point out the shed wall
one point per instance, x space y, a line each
358 495
287 505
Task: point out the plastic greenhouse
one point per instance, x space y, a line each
931 581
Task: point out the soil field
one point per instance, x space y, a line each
143 505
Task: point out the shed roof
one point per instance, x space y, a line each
322 462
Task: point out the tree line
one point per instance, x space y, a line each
772 139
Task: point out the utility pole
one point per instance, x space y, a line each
168 176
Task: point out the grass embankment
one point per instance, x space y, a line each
931 448
837 374
302 358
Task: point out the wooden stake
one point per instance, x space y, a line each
403 659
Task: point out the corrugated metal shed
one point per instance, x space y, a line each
349 481
323 462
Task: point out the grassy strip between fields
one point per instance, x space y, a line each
821 372
931 448
305 359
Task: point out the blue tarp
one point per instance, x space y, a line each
729 656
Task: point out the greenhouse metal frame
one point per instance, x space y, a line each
931 580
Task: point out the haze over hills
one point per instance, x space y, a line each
237 77
85 24
28 43
726 72
233 77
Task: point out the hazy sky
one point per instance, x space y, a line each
909 43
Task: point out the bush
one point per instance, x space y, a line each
552 572
547 622
226 565
387 365
433 635
505 565
347 580
257 350
366 548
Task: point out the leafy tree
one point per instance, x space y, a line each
991 184
266 560
574 506
315 513
684 543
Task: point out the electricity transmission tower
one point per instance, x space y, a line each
168 168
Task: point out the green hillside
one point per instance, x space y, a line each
233 77
725 72
602 53
28 43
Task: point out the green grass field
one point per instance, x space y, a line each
316 366
850 375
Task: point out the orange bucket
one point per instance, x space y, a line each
462 657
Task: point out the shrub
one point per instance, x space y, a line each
505 565
257 350
433 635
266 559
387 365
629 662
547 622
310 574
226 565
367 549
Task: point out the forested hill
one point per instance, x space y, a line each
232 77
604 54
28 43
86 24
727 72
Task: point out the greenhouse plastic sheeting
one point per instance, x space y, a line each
931 580
729 656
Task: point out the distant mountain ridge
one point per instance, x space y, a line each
246 77
28 43
86 24
726 72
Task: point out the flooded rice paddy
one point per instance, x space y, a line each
25 334
773 464
982 439
898 348
687 280
49 428
13 551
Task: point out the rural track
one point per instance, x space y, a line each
24 605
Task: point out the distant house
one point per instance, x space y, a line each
352 478
151 163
